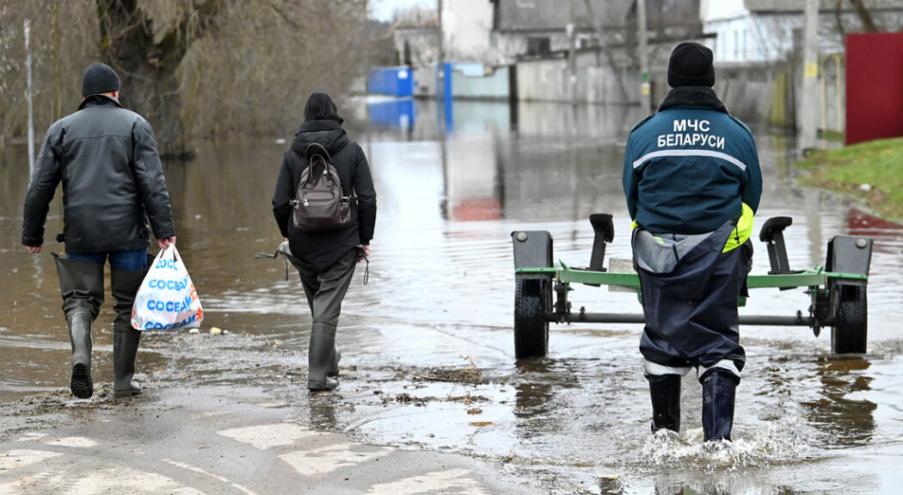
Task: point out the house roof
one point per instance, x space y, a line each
554 15
760 6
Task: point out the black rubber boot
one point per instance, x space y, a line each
718 392
665 393
334 369
81 285
81 384
124 286
321 358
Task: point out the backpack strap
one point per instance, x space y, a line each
316 150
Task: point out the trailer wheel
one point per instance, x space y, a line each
532 299
850 332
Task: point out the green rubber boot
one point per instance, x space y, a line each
81 286
321 358
334 369
124 286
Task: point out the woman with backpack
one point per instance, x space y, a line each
325 205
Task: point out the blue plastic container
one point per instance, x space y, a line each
391 81
392 114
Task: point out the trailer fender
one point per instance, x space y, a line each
532 249
848 254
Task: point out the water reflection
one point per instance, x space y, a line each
842 413
722 486
440 295
322 412
392 113
473 171
533 392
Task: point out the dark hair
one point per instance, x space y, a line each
320 107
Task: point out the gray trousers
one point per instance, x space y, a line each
326 290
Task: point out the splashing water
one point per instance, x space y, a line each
772 443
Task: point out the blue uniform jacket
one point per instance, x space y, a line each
689 167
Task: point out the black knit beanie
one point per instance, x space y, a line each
691 65
99 78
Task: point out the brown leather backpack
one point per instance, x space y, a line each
320 204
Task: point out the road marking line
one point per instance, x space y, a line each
195 469
210 414
328 459
21 458
124 480
28 437
268 436
449 482
74 442
112 480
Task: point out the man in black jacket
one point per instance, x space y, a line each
326 260
106 158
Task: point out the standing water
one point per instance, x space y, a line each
427 345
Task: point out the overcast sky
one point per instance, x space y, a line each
383 9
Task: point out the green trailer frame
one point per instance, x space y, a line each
837 291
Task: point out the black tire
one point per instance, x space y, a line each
532 299
850 332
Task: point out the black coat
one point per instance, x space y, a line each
321 249
106 158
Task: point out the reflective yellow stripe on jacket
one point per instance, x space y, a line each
742 231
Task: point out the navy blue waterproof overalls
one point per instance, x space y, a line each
691 176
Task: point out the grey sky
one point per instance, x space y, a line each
383 9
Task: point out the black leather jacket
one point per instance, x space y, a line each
106 158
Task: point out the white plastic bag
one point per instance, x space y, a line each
167 299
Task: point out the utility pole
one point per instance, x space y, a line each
645 86
441 48
808 114
571 31
600 47
28 97
441 83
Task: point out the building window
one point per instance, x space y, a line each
744 52
538 46
720 45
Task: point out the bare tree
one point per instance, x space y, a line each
147 62
194 69
868 23
63 43
602 45
267 57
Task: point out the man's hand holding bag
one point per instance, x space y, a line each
167 299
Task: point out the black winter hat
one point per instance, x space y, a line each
691 65
99 78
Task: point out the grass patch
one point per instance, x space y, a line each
829 135
872 172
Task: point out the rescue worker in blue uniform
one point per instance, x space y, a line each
692 182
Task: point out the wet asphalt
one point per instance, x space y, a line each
430 387
221 440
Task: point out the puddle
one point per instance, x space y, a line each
427 345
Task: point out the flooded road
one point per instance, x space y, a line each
427 345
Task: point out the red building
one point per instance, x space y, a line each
874 86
